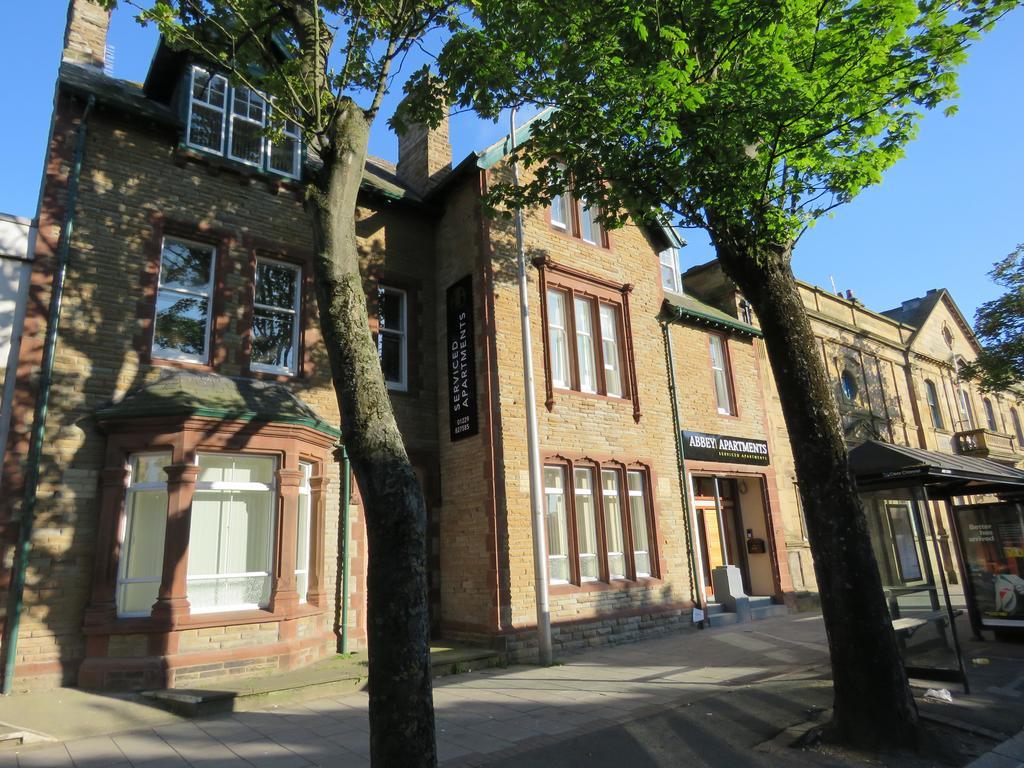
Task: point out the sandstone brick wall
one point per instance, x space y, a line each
586 425
134 180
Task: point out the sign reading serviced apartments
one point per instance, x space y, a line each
724 448
462 406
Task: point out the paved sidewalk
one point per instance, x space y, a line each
492 712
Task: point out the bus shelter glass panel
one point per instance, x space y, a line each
902 538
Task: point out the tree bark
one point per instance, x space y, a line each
401 703
873 703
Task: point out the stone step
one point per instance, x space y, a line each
334 676
714 608
768 612
758 602
722 619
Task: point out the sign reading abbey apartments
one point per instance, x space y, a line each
724 448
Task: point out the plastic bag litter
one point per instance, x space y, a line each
939 694
980 660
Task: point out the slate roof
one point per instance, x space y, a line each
915 311
187 393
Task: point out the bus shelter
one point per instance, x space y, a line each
898 486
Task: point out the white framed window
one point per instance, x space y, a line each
304 533
231 537
559 340
990 415
206 111
392 336
590 227
248 117
557 525
720 372
586 523
560 212
638 520
610 497
276 317
181 329
141 534
584 316
232 122
670 278
285 155
612 355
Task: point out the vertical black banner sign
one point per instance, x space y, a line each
462 405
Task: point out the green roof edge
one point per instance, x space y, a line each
677 313
115 412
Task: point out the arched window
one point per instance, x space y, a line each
990 415
964 400
1016 427
933 403
849 386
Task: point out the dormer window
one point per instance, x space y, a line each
230 121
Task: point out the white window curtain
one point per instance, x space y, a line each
585 344
586 523
638 521
721 375
558 340
142 535
557 525
231 536
613 523
610 350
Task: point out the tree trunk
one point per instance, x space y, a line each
401 704
873 704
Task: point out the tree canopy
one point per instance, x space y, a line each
766 113
999 326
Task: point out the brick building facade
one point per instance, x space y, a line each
187 526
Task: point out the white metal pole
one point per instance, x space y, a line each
540 550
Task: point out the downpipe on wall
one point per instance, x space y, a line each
15 597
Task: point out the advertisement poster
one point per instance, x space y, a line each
992 542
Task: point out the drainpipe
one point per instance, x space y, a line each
684 497
346 543
15 600
540 549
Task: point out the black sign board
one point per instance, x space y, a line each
462 405
723 448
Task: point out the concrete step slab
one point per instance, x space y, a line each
335 676
722 619
768 612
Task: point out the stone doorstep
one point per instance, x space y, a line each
17 736
335 675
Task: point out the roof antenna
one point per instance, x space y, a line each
833 281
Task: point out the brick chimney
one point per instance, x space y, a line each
424 155
85 38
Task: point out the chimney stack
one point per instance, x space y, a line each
424 155
85 37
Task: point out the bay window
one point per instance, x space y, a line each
276 317
234 121
558 340
181 330
602 529
584 315
142 534
304 532
231 536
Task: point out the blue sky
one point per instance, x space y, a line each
940 218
